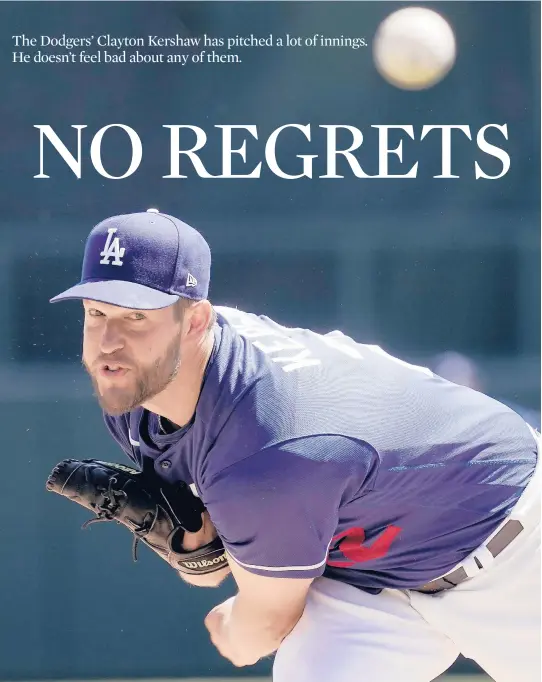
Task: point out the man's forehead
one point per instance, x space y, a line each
112 309
118 312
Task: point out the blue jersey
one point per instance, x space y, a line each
316 455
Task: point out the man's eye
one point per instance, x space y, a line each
93 312
137 316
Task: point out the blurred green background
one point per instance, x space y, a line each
441 272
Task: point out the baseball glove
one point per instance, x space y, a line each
158 514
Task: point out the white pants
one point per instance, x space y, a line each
492 618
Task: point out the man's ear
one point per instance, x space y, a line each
198 318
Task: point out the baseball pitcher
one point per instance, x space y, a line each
376 518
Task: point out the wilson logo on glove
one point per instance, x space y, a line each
206 563
155 512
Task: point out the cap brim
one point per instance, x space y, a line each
119 293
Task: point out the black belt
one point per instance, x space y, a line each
495 546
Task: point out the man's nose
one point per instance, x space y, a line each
112 339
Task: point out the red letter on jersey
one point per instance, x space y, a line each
351 545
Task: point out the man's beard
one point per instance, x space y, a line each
150 380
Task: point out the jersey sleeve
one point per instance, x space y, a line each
277 510
118 429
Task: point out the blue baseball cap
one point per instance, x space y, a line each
144 261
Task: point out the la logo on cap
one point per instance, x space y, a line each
112 249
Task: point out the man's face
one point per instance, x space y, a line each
130 355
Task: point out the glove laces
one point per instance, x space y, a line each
108 508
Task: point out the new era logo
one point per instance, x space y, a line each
191 281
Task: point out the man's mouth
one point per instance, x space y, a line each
112 370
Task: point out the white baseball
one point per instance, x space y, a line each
414 48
